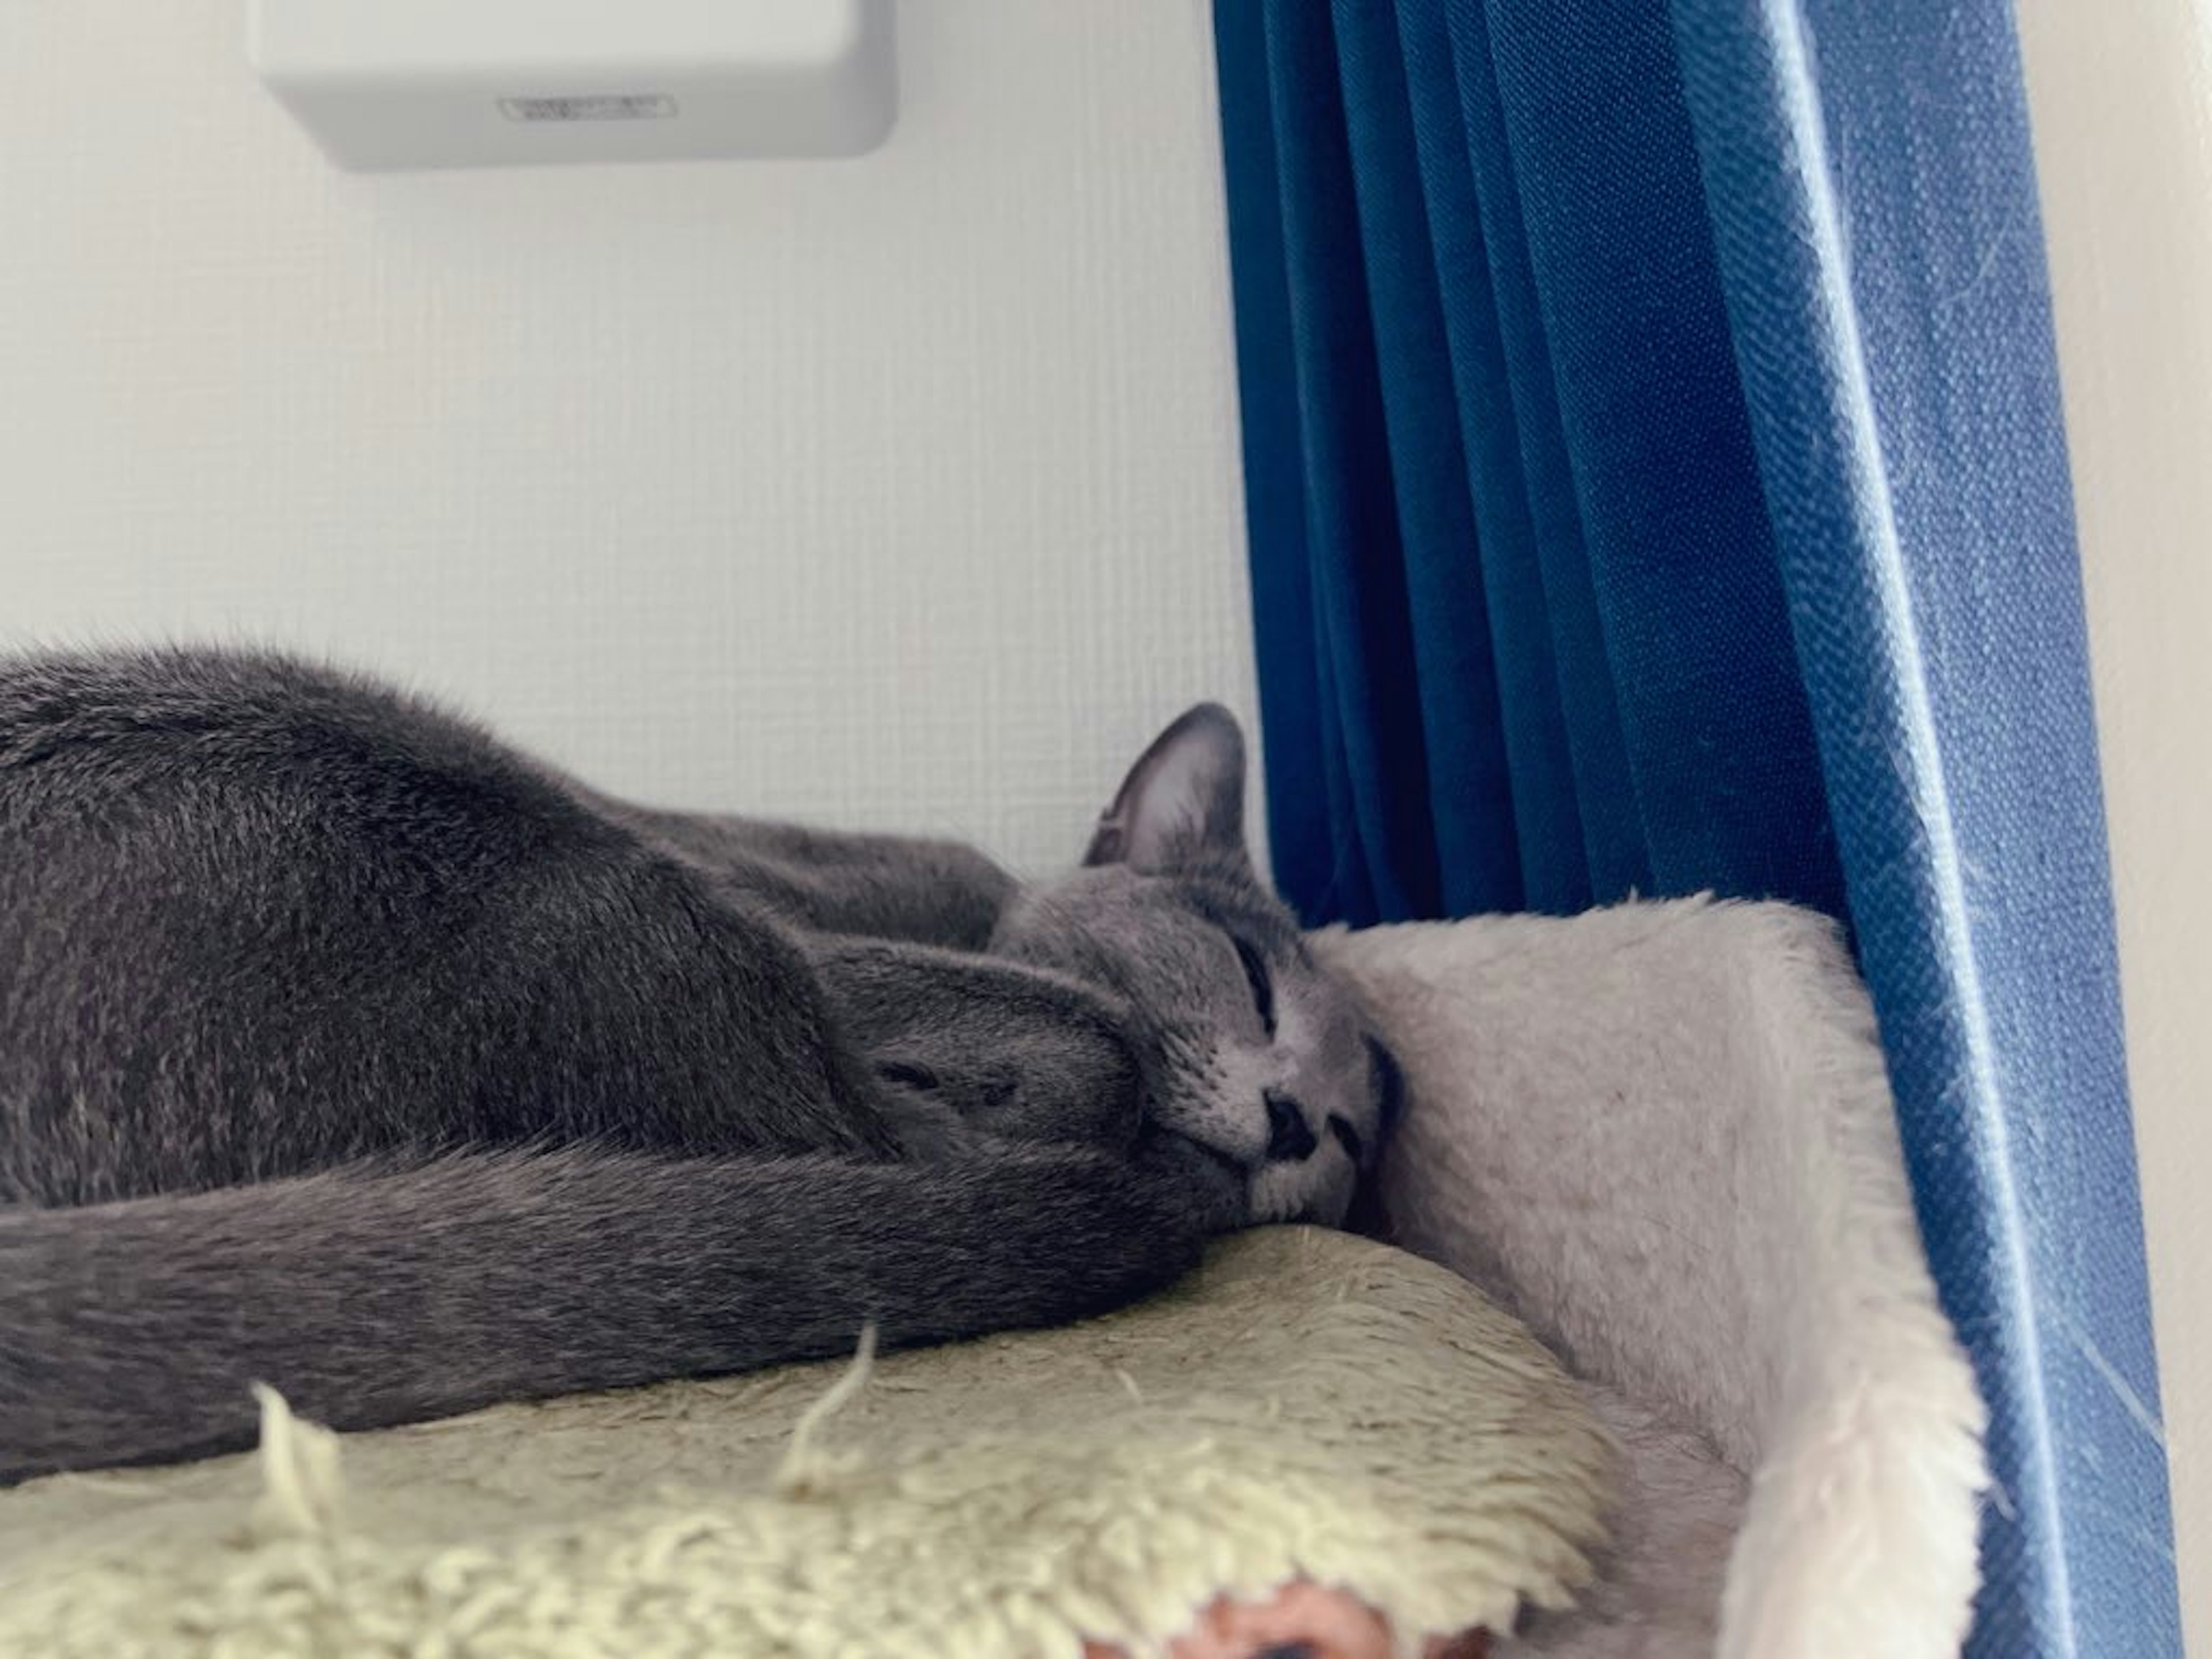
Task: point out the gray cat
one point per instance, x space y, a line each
343 1048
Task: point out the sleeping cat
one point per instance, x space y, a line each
345 1049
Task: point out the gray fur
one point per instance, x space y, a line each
345 1049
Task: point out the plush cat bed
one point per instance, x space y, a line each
1661 1133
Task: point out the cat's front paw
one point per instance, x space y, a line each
1200 1182
1070 1082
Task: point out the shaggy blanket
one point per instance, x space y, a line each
1308 1403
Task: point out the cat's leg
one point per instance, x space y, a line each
874 886
1014 1052
729 1000
647 1013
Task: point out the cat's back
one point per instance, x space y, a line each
114 704
258 916
230 880
83 731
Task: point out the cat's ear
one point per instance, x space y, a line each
1182 802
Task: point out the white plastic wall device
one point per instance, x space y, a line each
389 84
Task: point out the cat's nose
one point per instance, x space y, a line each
1290 1137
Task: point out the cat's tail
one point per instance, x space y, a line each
131 1331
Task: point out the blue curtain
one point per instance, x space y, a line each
1656 482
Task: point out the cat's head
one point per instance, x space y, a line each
1255 1050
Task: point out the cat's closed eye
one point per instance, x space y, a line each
1388 1083
1263 988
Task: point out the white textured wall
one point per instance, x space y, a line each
2121 96
897 492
